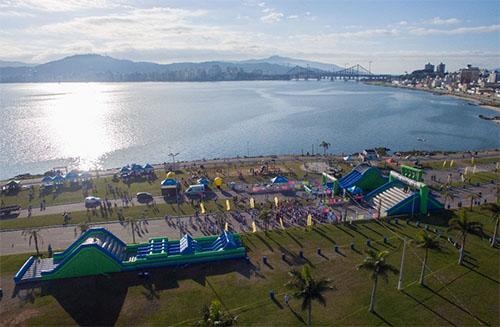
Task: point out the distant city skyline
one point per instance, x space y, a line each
396 36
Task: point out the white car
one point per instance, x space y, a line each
92 202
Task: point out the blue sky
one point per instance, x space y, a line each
396 36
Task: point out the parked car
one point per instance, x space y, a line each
197 189
144 197
92 202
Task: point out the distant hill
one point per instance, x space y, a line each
93 67
291 62
13 64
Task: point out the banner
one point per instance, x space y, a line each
254 227
252 203
202 208
309 220
228 205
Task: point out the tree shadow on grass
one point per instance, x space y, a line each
294 239
461 308
321 233
376 314
428 308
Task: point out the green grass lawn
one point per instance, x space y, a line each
456 295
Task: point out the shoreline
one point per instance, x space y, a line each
421 155
471 99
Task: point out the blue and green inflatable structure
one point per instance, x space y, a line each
99 252
403 194
363 178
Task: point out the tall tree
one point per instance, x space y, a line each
325 145
214 315
464 226
376 265
308 289
472 197
137 226
33 236
448 195
427 242
494 209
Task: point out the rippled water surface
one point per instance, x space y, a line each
110 124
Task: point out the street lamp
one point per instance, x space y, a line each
173 155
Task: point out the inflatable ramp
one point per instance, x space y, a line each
99 252
402 195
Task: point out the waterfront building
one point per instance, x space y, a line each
440 69
429 68
469 74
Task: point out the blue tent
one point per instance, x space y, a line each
279 180
58 179
124 169
71 176
47 180
168 182
137 168
148 167
203 181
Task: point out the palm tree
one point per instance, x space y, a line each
427 242
307 288
213 315
325 145
376 265
472 197
448 195
494 208
464 226
33 235
265 216
137 226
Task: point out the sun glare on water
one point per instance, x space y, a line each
77 119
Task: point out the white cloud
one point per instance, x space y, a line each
56 5
420 31
292 17
441 21
271 16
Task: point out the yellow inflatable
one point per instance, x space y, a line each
218 181
170 174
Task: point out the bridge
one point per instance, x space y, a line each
356 72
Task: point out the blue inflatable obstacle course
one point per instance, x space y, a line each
402 195
363 178
98 252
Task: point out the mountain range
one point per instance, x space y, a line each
93 67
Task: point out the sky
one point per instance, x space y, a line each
395 36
